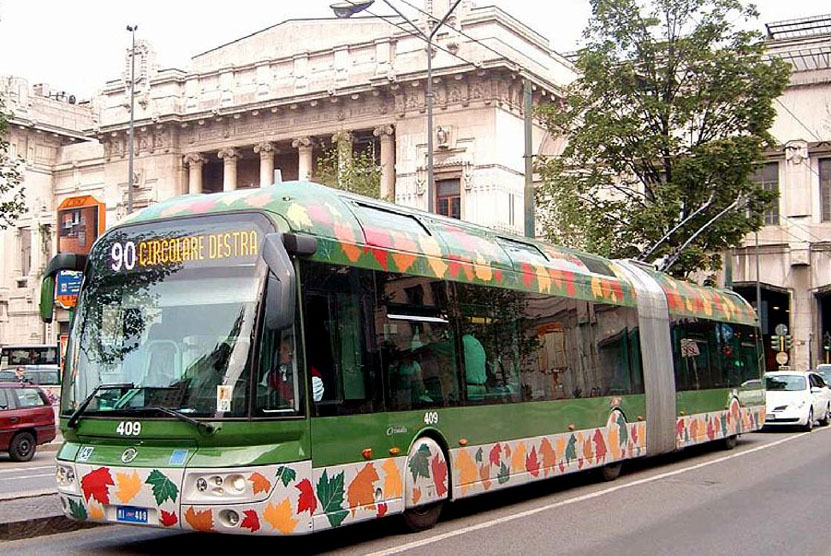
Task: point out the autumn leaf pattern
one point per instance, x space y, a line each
259 483
251 521
95 484
280 517
163 488
306 500
286 474
361 491
439 468
128 486
392 480
330 494
419 462
168 519
77 510
202 520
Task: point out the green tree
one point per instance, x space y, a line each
11 192
671 111
340 167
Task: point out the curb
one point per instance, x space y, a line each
38 527
51 447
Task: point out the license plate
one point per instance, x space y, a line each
129 514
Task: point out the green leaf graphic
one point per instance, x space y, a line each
479 455
624 429
286 474
571 449
330 494
76 509
504 474
163 488
419 462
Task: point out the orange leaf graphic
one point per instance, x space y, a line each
588 453
549 456
259 483
128 486
468 473
201 521
279 516
484 475
392 480
361 491
518 459
96 512
416 495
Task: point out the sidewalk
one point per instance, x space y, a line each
34 516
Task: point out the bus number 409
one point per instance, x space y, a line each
129 428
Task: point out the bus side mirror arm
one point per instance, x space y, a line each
281 287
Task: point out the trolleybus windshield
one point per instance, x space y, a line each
168 308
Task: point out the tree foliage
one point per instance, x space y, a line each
671 111
358 172
11 191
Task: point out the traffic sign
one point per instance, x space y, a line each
67 287
782 357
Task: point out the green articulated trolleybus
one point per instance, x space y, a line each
286 360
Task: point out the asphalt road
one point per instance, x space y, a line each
769 496
37 475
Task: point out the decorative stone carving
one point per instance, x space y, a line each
229 154
796 151
301 142
192 159
265 148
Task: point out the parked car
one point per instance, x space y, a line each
824 369
26 420
796 398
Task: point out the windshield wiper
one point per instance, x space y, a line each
76 415
207 427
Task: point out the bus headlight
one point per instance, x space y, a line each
231 487
65 477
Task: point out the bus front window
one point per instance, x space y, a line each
170 310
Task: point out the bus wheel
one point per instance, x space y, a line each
422 518
731 441
611 471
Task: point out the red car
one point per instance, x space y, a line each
26 420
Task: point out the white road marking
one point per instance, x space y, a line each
576 499
27 477
16 469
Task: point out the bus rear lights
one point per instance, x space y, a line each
229 518
463 442
367 453
395 450
222 485
201 484
65 477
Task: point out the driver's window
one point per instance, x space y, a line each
279 383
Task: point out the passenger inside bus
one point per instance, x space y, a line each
280 378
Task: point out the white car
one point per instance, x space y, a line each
797 399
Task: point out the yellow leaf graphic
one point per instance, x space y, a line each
482 269
543 278
392 480
561 447
432 251
96 512
298 216
613 441
128 486
279 516
518 459
468 473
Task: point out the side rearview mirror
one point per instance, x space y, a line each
281 287
63 261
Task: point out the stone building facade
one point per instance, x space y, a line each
273 101
795 246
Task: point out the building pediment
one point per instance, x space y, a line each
291 38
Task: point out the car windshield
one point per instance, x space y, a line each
168 308
790 383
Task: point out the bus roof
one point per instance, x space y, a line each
359 231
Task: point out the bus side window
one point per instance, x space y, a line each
417 342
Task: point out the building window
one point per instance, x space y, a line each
25 251
768 177
825 188
448 198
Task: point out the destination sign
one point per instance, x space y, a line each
231 246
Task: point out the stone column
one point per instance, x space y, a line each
343 140
195 161
387 135
229 158
266 152
304 157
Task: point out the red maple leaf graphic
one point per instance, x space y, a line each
96 484
439 467
307 500
382 509
532 464
527 274
599 445
251 521
168 519
496 453
680 428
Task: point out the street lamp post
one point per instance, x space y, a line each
132 29
349 8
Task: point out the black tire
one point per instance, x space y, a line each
422 518
807 427
730 442
22 447
826 419
611 471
